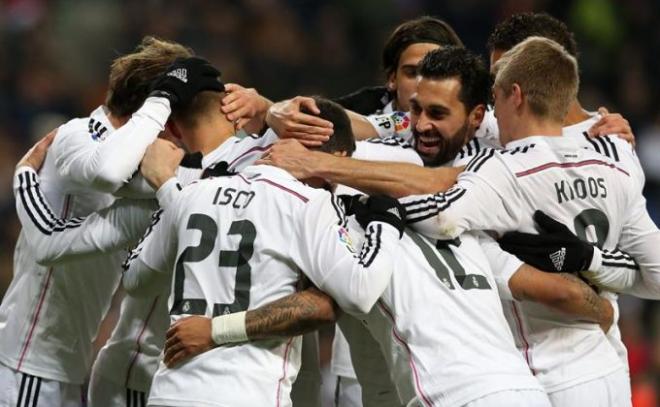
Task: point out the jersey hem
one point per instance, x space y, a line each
30 369
451 402
580 380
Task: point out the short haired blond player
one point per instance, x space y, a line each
501 190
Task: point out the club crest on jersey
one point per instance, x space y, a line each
345 239
179 73
401 121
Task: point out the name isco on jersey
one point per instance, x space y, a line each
237 198
580 188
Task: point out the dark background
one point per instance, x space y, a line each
54 59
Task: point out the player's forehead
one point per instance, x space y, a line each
413 54
443 92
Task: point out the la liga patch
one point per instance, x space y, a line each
345 239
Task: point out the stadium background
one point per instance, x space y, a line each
54 59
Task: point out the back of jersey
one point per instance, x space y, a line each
441 322
589 193
233 244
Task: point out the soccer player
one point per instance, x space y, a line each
50 315
403 50
123 370
536 82
261 211
465 86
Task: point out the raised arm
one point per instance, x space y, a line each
57 240
110 162
485 197
107 164
323 250
372 177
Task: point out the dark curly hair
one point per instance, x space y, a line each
461 63
420 30
518 27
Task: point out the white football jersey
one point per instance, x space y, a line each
236 243
594 196
130 357
441 326
50 315
390 149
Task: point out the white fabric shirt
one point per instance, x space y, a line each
269 226
595 196
441 326
389 149
49 316
130 357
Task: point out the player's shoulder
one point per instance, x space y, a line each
391 148
472 149
93 128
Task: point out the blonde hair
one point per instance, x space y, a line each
546 73
131 75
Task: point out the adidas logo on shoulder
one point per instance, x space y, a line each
179 73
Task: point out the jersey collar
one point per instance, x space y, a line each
223 152
579 128
557 141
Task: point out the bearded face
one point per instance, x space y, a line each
441 124
436 148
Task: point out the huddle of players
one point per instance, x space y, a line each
433 305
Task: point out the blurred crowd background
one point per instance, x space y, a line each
54 59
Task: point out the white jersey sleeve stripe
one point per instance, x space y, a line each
442 202
29 194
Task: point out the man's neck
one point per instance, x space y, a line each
576 114
115 121
209 136
532 126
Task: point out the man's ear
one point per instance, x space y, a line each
517 95
391 82
173 128
476 116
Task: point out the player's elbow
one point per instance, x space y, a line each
360 304
108 180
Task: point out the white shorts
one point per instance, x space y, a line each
612 390
106 393
21 389
348 392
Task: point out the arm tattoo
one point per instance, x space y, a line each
293 315
590 302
